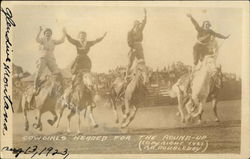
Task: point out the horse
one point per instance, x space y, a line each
44 101
200 86
135 92
116 94
80 99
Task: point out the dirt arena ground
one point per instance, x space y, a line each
222 137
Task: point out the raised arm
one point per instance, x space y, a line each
57 42
220 35
129 39
98 40
195 23
71 40
144 21
38 39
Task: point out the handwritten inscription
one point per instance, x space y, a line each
33 150
6 65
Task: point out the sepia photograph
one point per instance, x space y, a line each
117 79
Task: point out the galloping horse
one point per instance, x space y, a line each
200 87
116 94
46 100
80 99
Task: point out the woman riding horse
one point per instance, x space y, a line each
82 63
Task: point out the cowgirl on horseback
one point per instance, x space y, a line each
47 57
82 63
206 45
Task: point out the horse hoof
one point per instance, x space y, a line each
50 122
216 120
124 125
95 126
35 126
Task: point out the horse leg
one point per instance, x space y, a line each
52 122
38 125
180 106
189 111
124 116
129 118
24 105
127 109
26 118
214 105
72 113
60 115
133 113
199 117
91 117
114 108
200 110
79 121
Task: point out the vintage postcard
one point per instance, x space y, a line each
113 80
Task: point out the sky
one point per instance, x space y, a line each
169 35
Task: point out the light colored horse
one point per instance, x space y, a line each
135 92
200 87
80 99
117 96
45 101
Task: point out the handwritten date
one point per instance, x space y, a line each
34 151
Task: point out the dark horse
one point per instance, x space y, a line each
44 101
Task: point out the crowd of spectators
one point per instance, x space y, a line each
165 76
